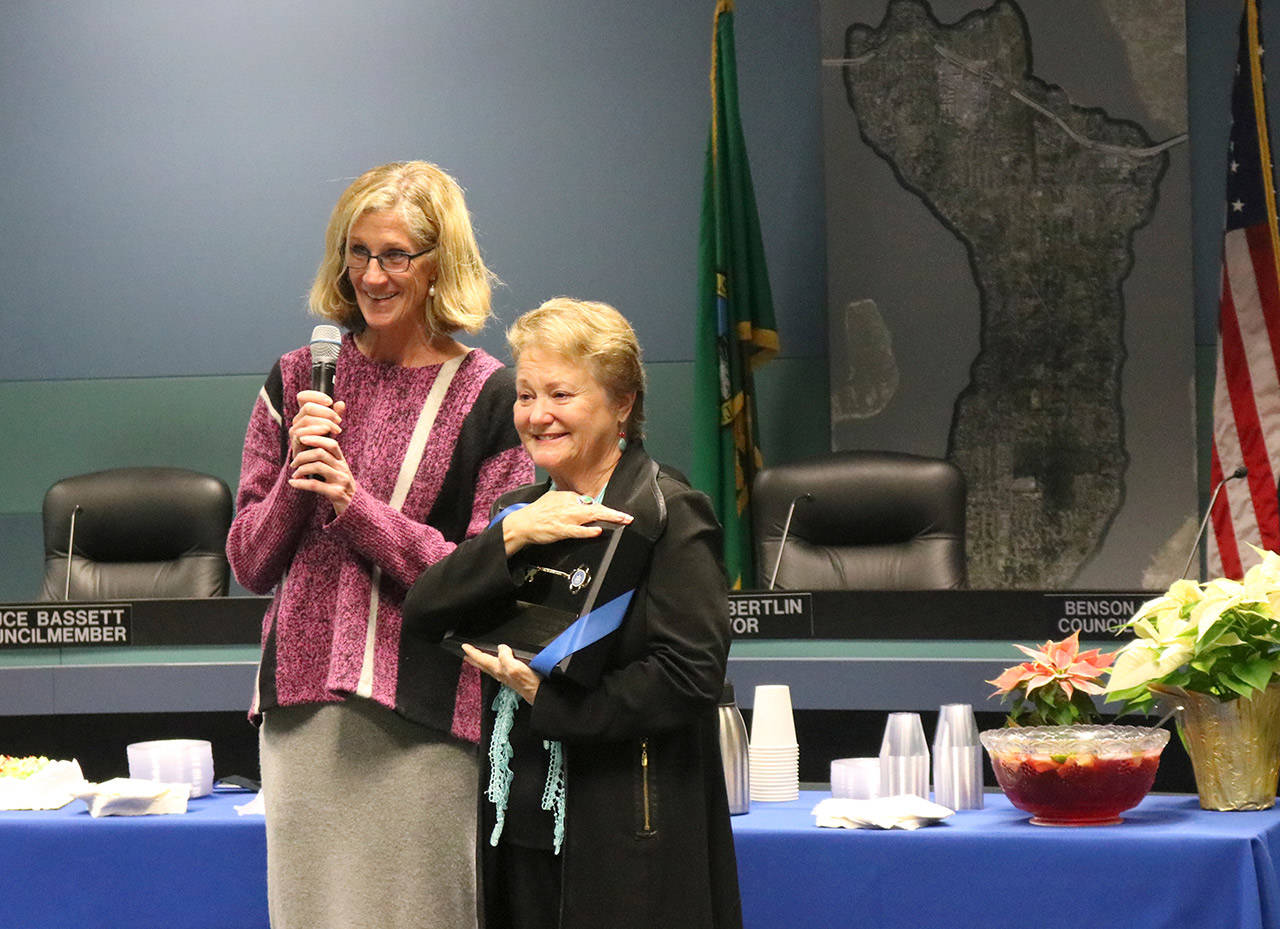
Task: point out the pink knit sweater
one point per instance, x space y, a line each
333 628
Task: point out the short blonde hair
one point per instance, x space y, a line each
590 332
433 209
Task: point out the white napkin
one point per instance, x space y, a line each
51 788
123 796
255 807
903 811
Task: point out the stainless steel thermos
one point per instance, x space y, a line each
734 752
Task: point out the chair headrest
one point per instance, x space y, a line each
138 514
863 498
875 521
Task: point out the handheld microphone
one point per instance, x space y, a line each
326 342
786 528
1235 475
71 548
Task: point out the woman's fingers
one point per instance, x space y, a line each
321 468
599 512
505 668
554 516
317 415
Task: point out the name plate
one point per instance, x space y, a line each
54 625
1093 615
1008 615
771 615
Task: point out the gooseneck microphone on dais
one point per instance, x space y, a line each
786 530
326 343
1235 475
71 551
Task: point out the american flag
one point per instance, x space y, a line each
1246 401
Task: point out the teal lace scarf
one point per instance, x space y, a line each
500 752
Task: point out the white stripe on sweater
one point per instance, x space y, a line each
271 410
404 480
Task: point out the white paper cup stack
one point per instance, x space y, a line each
774 753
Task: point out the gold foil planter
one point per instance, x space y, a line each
1234 746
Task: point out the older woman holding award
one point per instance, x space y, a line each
603 797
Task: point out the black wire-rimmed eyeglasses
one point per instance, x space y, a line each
393 261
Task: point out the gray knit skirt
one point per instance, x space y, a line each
370 820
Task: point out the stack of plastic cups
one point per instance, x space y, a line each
855 778
904 757
774 753
173 761
957 758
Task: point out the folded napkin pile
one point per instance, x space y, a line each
903 811
124 796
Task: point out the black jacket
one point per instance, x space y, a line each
646 845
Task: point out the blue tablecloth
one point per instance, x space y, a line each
1170 864
63 869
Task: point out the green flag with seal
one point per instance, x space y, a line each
735 327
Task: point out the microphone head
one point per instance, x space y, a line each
326 342
1240 472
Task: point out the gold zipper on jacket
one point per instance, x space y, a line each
644 779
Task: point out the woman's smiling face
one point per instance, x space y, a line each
566 419
389 302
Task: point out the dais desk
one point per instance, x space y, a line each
849 650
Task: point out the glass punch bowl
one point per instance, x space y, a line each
1075 775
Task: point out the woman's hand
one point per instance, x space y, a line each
556 515
318 463
317 414
507 669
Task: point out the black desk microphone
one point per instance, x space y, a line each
786 528
1235 475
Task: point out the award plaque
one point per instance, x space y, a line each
570 597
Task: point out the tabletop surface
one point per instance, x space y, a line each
1169 864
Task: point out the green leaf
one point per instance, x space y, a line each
1243 688
1256 673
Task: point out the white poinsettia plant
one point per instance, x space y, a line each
1220 638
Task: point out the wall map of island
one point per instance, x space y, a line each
1045 192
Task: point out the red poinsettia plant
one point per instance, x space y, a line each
1056 686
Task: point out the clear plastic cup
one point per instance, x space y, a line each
904 757
771 720
957 758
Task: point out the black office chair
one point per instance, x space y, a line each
875 521
138 532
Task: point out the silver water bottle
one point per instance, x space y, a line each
733 752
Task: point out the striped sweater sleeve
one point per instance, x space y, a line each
270 515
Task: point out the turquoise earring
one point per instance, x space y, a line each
622 441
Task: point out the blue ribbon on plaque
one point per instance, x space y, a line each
587 630
570 597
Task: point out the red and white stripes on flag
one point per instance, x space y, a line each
1246 401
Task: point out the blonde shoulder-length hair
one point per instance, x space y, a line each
435 213
591 333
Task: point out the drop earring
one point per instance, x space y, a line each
622 441
431 290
